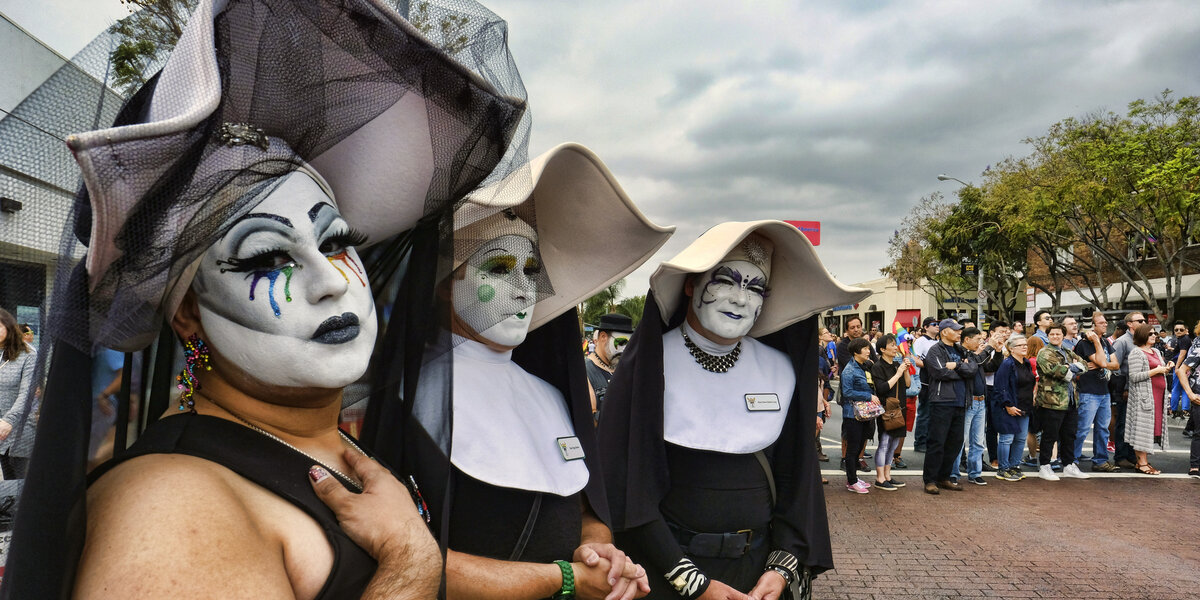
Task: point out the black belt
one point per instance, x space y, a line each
734 544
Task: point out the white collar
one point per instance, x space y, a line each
709 411
507 422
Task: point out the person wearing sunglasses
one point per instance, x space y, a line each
612 335
1178 345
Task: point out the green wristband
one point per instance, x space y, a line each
568 581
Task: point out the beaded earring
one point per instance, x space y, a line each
195 354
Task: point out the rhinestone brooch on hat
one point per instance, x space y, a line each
242 134
755 252
713 363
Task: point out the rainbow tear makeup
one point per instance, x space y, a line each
345 259
272 276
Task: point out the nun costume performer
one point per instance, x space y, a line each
709 464
224 207
522 506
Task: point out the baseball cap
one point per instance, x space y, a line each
951 323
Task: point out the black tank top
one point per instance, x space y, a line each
268 463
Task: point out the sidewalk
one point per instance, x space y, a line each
1123 538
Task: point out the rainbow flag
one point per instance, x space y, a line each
903 339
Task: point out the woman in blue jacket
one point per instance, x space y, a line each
856 387
1014 387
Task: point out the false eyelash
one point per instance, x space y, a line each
261 261
349 237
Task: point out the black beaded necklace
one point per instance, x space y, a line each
712 363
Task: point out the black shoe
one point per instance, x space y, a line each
842 464
822 457
899 463
920 449
1188 434
988 468
866 454
862 465
1194 473
895 483
977 480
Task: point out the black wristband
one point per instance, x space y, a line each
782 561
687 579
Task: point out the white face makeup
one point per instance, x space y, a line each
729 298
497 293
283 295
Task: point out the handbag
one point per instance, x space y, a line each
893 415
865 410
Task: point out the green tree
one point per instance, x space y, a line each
915 255
144 39
633 307
602 303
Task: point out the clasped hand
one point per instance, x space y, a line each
604 571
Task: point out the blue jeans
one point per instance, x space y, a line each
1095 411
973 426
1179 399
1011 446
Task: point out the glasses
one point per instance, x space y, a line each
1138 321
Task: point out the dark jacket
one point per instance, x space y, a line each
1005 386
946 385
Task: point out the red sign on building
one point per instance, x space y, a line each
811 229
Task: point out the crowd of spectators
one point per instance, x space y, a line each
1049 387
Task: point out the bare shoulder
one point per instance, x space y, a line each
171 525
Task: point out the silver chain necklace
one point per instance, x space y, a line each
345 438
712 363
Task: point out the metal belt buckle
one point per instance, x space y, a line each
749 538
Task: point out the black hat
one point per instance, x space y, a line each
615 322
929 321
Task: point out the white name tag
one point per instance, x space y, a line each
570 447
759 402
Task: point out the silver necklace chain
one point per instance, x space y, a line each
345 438
712 363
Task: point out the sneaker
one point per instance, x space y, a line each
1126 464
862 465
1083 458
1055 464
989 468
1030 462
857 488
899 463
866 454
977 481
864 484
1194 473
1072 470
1112 447
1105 467
1004 475
932 489
842 464
1018 472
1045 472
822 458
885 486
898 484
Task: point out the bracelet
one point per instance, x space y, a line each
687 579
567 592
785 564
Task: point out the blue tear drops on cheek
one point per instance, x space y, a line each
272 276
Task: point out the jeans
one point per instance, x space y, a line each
1094 413
945 441
857 433
1124 450
973 426
1057 426
887 447
921 426
1179 398
1011 446
989 428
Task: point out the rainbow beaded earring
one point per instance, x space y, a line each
195 354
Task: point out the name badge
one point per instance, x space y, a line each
761 402
570 447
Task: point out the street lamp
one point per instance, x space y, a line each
981 295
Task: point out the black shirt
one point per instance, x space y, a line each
1092 381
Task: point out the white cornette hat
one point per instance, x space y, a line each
800 286
590 234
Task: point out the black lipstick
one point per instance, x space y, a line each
337 330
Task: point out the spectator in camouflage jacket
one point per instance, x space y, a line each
1056 406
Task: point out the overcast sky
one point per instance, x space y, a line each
840 112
